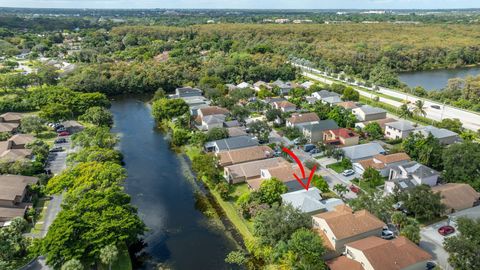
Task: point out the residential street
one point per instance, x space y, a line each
53 209
432 242
469 119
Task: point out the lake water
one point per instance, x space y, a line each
180 236
436 79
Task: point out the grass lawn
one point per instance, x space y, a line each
123 262
192 151
337 167
41 208
366 186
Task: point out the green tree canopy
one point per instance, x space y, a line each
462 164
168 108
270 191
99 116
463 248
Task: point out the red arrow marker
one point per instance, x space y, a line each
300 165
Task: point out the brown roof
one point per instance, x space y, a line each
343 263
236 131
326 242
213 110
457 196
370 163
244 155
285 172
284 104
298 118
345 223
398 253
347 105
252 169
382 122
392 158
8 127
14 185
8 213
11 116
22 139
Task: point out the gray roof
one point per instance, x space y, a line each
404 183
401 125
233 123
332 100
371 110
282 84
363 151
305 200
420 170
331 203
438 133
324 94
233 143
188 91
320 126
214 119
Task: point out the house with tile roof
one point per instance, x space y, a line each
323 94
457 196
406 176
382 163
310 201
13 196
284 87
302 118
374 253
347 105
343 225
369 113
212 110
11 117
20 141
237 156
398 129
341 137
314 132
381 122
284 173
363 151
284 106
14 149
244 172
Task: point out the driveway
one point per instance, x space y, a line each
274 137
432 242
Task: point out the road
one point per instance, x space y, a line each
470 120
53 209
432 242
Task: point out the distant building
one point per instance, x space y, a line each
314 132
302 118
398 130
284 106
368 113
340 137
187 92
444 136
363 151
230 144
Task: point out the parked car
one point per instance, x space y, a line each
64 133
61 140
431 265
61 129
56 149
354 189
314 151
387 234
435 107
348 172
308 147
446 230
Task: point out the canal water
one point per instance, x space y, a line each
436 79
180 236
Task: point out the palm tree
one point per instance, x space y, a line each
419 108
340 189
404 112
108 255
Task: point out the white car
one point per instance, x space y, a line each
348 172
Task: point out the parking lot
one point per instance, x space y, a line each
58 161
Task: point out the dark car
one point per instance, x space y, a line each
446 230
56 149
436 107
431 265
308 147
62 129
61 140
64 133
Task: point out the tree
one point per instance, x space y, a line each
159 94
412 232
399 219
306 250
108 255
55 112
240 113
204 166
340 189
273 114
454 125
180 137
270 191
419 108
95 153
32 124
217 133
350 94
374 130
98 116
463 248
372 177
383 75
375 203
73 264
461 163
320 183
404 112
261 130
168 108
223 189
13 245
424 203
426 150
95 136
236 257
278 223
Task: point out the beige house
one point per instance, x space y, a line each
382 163
11 117
368 113
20 141
342 226
302 118
13 190
284 106
237 156
250 170
340 137
374 253
212 110
457 197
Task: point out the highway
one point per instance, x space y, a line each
470 120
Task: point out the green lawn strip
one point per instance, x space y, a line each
42 207
234 216
337 167
123 263
365 186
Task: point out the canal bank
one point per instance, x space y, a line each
180 235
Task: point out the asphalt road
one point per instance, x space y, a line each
469 119
432 242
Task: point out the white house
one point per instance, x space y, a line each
398 130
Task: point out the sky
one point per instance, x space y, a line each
247 4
